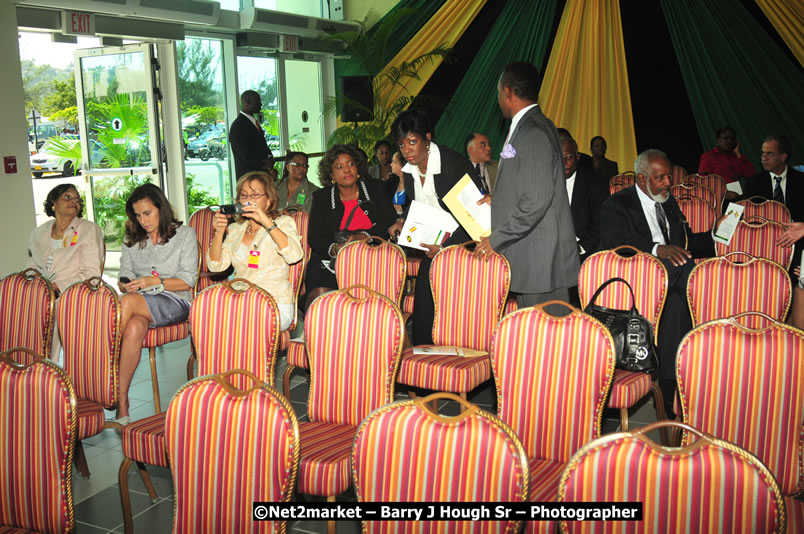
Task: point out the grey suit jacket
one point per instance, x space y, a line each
531 222
491 171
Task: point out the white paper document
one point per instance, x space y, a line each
734 186
462 201
725 231
426 224
443 350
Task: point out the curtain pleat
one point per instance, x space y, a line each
787 16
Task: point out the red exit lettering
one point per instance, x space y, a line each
78 23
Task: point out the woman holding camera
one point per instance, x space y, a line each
295 190
158 270
261 245
350 208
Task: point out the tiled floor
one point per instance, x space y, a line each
97 499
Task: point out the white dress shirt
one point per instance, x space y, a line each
571 186
649 208
426 192
515 120
783 183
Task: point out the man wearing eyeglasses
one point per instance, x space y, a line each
247 138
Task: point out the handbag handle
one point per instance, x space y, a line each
543 307
606 284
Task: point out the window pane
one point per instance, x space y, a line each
259 74
310 8
304 110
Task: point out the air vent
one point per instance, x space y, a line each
189 11
265 20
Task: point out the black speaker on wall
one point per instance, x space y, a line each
357 90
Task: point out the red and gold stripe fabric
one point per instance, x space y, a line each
713 182
719 288
767 209
227 449
511 306
202 221
407 303
679 174
297 355
469 294
296 280
378 265
144 440
712 486
89 324
747 386
758 238
91 419
444 372
354 345
621 181
699 212
235 325
795 514
413 265
27 306
404 453
646 275
162 335
38 418
302 220
553 376
696 191
627 388
324 465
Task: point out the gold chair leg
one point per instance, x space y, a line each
286 380
80 460
331 524
624 419
192 360
125 498
661 415
154 380
146 479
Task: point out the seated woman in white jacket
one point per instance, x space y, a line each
261 245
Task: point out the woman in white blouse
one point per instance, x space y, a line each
261 245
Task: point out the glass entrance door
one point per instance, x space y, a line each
305 129
119 127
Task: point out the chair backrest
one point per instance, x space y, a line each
697 191
89 324
235 325
621 181
710 486
679 173
296 276
354 341
699 212
757 237
469 294
203 222
469 458
229 447
374 263
747 386
768 209
714 182
646 275
720 288
38 415
302 219
553 376
27 306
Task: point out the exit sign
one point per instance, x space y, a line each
77 23
288 43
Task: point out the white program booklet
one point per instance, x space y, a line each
725 231
426 224
735 187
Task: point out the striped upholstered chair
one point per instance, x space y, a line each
695 191
756 236
648 278
699 213
756 285
621 181
230 446
235 325
374 263
709 486
203 222
27 308
767 209
38 416
466 313
89 322
553 376
678 175
302 220
469 458
713 182
746 386
354 344
413 264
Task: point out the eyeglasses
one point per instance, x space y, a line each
67 197
294 164
251 197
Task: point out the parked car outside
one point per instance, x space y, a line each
45 161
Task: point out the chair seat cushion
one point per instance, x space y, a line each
90 419
324 458
161 335
407 304
456 374
144 440
795 514
297 355
627 388
413 265
15 530
284 340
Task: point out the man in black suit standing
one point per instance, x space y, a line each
586 193
247 139
647 217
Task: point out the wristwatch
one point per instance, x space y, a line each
272 227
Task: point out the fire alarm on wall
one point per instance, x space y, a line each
10 164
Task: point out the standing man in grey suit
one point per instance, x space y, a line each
531 222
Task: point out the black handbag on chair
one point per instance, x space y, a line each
634 346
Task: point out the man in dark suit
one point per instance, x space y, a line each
247 139
778 181
586 193
531 223
478 149
647 217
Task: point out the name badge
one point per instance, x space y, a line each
74 239
253 259
300 198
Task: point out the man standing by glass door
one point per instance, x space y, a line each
247 139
